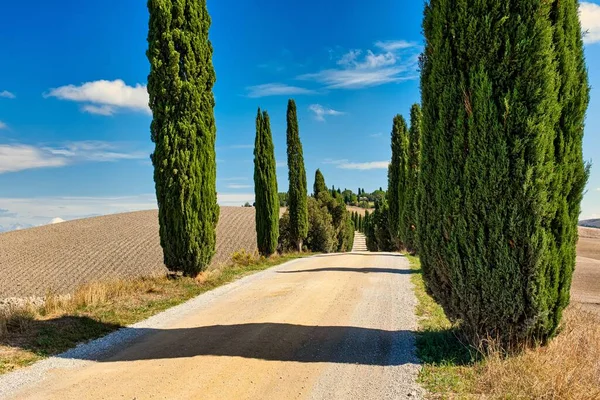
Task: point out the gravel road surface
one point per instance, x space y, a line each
325 327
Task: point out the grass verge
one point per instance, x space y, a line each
567 368
30 333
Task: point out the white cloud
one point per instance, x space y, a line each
233 179
281 164
276 89
365 165
99 110
19 157
238 186
397 61
3 125
7 95
334 162
57 220
321 112
105 97
589 14
395 45
598 189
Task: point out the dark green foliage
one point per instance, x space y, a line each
297 179
412 175
183 130
504 93
360 223
319 186
377 232
265 187
283 199
321 233
397 179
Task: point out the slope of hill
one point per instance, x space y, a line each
590 223
61 257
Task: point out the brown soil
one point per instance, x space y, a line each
61 257
585 289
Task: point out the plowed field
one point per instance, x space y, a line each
61 257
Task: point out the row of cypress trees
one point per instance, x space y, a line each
265 184
358 221
504 92
403 174
183 129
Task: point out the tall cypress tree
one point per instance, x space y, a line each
412 175
319 185
265 187
397 174
504 93
571 173
298 207
183 130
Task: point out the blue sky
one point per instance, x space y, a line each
74 121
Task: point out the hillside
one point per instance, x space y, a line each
590 223
63 256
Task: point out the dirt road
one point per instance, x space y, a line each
327 327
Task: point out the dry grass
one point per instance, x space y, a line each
30 333
567 368
63 257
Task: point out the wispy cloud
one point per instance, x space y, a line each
394 61
238 186
105 97
321 112
365 165
334 162
19 157
233 179
281 164
276 89
395 45
589 14
7 95
3 125
376 135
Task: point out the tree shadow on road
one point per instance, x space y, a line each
364 270
363 254
270 341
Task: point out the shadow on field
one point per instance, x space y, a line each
444 347
365 270
52 336
272 341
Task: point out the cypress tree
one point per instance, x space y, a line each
397 176
504 93
571 173
297 179
319 185
265 187
360 222
183 130
410 203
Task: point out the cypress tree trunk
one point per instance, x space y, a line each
183 130
501 167
410 203
397 174
265 187
297 179
319 186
